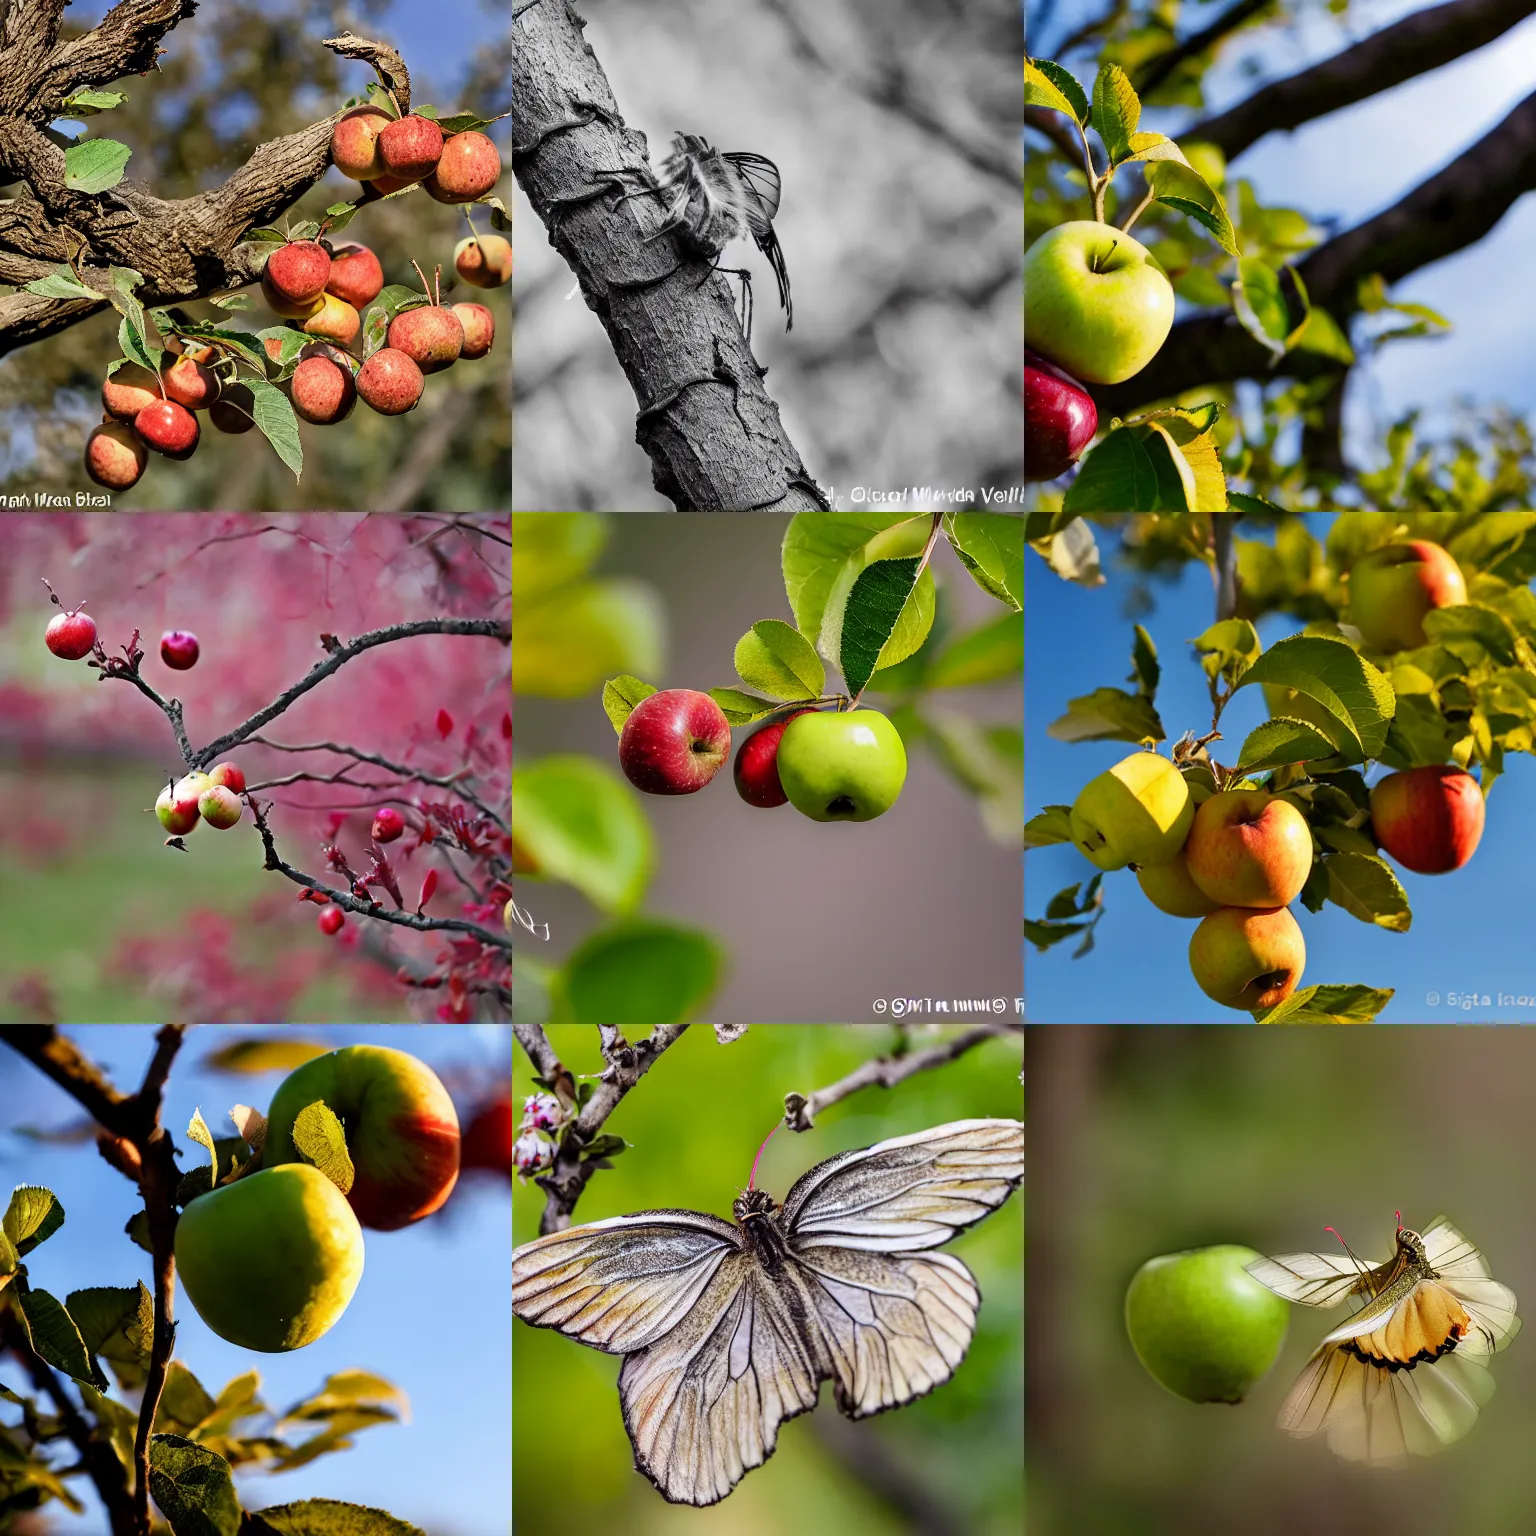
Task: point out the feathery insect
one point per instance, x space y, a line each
728 1329
1404 1373
714 197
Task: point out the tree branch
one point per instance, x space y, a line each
1453 209
627 1064
1161 65
800 1110
1408 48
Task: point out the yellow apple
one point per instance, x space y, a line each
1245 958
1137 812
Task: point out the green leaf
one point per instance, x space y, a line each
88 102
1071 552
1116 111
327 1517
114 1321
1330 1005
263 1055
276 421
1278 742
9 1258
193 1488
32 1217
1118 476
991 547
550 549
95 165
862 615
742 708
1356 701
1108 714
994 651
62 283
184 1404
776 659
643 971
568 642
347 1391
1052 825
817 546
1366 888
1182 188
1049 85
1259 304
197 1130
620 695
55 1337
583 824
318 1135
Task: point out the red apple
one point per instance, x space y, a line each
1393 587
168 428
356 275
402 1132
674 742
757 765
488 1138
229 775
331 921
179 649
1429 819
1247 848
1059 419
70 636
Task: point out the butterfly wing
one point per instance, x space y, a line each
703 1405
1313 1279
1382 1416
909 1193
622 1283
1463 1271
760 179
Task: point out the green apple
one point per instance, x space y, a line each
1137 812
1170 888
842 766
1246 958
1392 588
401 1128
1202 1325
1095 301
270 1261
1248 848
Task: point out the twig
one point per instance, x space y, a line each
627 1064
800 1110
136 1119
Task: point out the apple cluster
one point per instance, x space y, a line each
272 1259
213 797
1097 307
831 765
323 289
1236 860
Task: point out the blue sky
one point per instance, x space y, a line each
431 1314
1471 929
1357 162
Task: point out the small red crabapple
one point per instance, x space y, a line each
179 649
70 635
229 775
220 807
330 920
388 825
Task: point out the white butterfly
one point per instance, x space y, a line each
729 1330
1404 1373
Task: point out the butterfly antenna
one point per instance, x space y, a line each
751 1178
1354 1257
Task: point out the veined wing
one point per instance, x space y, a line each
621 1284
1313 1279
909 1193
703 1405
762 178
896 1328
1463 1271
1382 1416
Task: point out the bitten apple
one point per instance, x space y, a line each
1242 957
401 1129
1060 419
1391 589
1429 819
1248 848
674 742
1137 812
270 1261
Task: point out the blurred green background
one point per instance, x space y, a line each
1143 1142
948 1463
